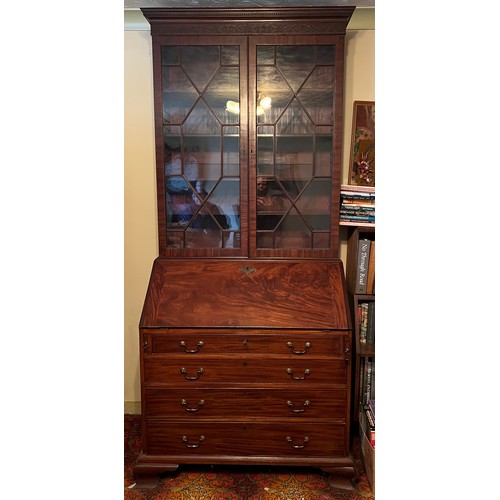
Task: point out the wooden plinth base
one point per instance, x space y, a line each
149 468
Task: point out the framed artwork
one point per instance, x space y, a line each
362 160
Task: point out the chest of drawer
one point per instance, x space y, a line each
183 372
295 342
249 404
246 439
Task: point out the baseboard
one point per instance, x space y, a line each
132 408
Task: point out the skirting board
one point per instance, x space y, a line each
132 407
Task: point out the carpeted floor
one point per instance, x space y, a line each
208 482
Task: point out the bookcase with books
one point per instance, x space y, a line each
360 279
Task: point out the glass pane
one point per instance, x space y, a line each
273 94
314 204
223 87
170 55
317 95
265 54
326 54
265 151
324 151
179 90
200 64
293 232
296 63
231 152
294 145
230 55
202 146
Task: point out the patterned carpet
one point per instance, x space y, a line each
195 482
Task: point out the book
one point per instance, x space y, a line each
368 423
370 326
357 211
371 404
361 189
369 415
361 381
343 222
366 427
362 269
347 208
363 218
349 200
356 196
370 281
363 322
362 393
372 386
368 386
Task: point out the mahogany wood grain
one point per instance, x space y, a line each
246 351
236 438
257 342
327 405
292 294
243 371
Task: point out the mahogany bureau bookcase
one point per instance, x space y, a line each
245 334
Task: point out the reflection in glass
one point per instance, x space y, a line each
295 146
201 146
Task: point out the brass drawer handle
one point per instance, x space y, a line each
185 440
298 410
297 446
199 372
306 373
200 344
307 346
201 403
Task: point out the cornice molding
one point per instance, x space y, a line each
363 18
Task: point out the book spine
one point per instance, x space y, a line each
370 280
360 189
371 405
362 274
368 387
369 416
370 328
364 379
357 212
368 429
371 395
363 323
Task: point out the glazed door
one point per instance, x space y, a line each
295 105
249 133
201 136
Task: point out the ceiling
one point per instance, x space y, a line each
136 4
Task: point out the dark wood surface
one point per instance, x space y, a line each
193 293
247 28
270 388
327 405
361 350
247 360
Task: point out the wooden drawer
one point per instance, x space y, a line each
298 343
245 439
247 404
174 371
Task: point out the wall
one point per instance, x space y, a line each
140 230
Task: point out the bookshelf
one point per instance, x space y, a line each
360 272
360 277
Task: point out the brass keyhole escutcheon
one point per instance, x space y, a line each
248 269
